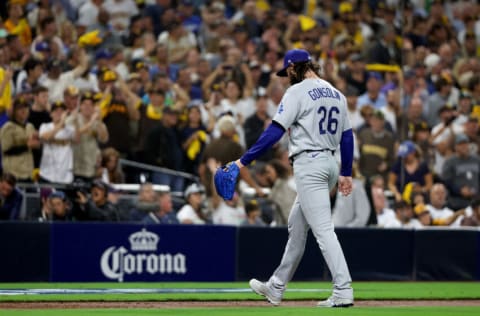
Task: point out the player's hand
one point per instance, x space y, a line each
345 185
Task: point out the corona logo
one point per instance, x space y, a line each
116 262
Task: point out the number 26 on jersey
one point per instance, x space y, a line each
328 119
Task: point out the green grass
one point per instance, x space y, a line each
363 291
249 311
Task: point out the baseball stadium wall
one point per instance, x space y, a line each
99 252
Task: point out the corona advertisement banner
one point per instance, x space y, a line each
126 252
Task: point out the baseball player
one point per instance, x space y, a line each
315 115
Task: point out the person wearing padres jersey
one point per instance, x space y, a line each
315 115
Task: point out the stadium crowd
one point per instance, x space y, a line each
189 85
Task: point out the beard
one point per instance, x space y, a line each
294 79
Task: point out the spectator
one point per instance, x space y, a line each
165 214
461 174
48 35
352 210
193 212
384 214
377 147
282 190
91 130
87 14
6 74
40 109
163 149
28 78
426 218
39 114
56 164
119 109
224 149
413 115
112 173
253 211
106 30
392 111
18 138
438 99
17 24
403 217
147 202
464 110
120 13
356 74
150 117
442 136
194 137
178 41
57 208
256 123
71 97
385 50
473 216
373 95
409 167
57 81
96 207
10 197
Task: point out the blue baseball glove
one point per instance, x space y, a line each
226 179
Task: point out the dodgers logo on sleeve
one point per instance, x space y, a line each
280 108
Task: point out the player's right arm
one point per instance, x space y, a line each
286 114
269 137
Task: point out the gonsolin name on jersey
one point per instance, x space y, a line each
317 93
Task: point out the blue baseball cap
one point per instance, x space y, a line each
374 74
42 47
291 57
103 53
407 147
57 195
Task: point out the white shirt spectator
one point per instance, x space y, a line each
228 215
120 13
395 223
56 164
386 216
56 87
444 136
355 118
87 14
436 213
88 83
182 45
187 213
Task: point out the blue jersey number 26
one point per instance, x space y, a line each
328 121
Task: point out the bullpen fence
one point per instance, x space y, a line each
99 252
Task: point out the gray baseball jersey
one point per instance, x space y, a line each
315 115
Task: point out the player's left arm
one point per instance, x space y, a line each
345 185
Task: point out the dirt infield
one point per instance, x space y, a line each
210 304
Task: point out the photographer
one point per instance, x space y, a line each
442 135
97 207
56 208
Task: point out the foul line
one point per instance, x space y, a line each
140 291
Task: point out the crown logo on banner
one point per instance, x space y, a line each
143 241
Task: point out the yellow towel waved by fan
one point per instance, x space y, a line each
90 39
196 145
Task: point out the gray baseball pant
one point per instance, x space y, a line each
315 175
